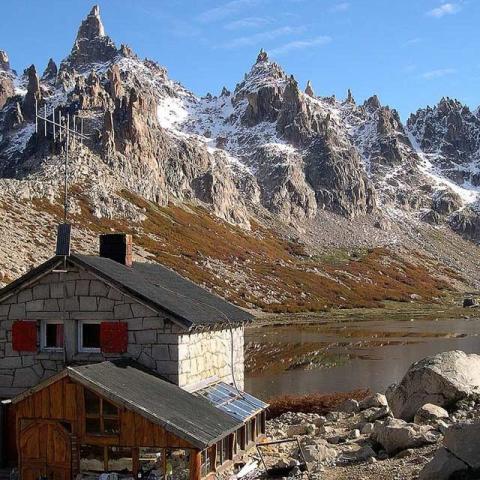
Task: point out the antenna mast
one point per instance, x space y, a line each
60 128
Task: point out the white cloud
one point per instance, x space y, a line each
413 41
226 10
300 45
248 22
259 38
341 7
444 9
439 73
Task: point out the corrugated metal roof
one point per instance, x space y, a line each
165 289
187 416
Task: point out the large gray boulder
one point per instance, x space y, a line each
463 440
441 379
395 435
443 465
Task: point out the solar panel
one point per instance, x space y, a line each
239 405
63 239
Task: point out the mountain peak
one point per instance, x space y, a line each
92 27
4 61
92 45
262 56
309 89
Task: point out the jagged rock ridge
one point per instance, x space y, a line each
266 146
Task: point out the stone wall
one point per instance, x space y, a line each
208 354
154 340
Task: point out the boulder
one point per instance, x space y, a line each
442 466
349 406
375 413
441 379
463 440
302 429
429 414
376 400
395 435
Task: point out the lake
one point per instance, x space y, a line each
334 356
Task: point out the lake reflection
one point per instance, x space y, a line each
343 356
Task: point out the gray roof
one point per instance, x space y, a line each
164 289
155 285
185 415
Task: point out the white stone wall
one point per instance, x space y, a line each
152 338
208 354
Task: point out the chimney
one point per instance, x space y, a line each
117 247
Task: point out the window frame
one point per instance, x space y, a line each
43 335
101 416
81 348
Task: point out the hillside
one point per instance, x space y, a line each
275 197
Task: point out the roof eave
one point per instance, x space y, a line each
30 277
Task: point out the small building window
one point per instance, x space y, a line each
177 464
92 458
52 335
151 463
99 459
101 416
89 336
119 460
207 465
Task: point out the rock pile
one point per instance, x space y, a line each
367 441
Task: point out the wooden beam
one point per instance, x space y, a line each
195 465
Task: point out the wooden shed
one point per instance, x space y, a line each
116 416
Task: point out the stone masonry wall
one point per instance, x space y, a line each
152 338
208 354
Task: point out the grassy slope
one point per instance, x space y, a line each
259 269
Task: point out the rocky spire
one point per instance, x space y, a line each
50 72
33 92
225 92
91 44
92 26
309 89
350 98
372 103
4 62
262 56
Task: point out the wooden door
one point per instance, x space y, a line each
45 451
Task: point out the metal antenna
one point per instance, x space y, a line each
62 126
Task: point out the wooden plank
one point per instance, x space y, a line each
195 465
56 400
127 428
45 393
70 397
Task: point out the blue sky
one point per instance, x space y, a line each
409 52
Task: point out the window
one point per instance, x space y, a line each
101 416
52 335
151 463
119 459
89 336
177 464
207 466
95 459
224 451
92 458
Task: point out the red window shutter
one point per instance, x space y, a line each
114 337
24 336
